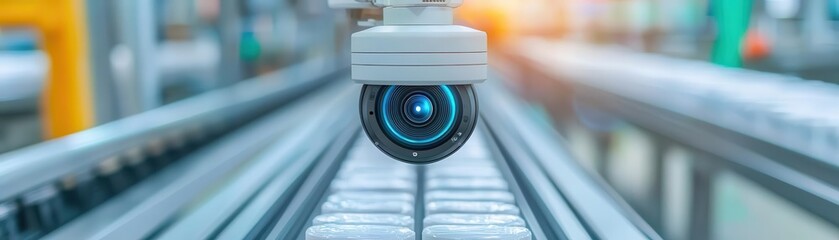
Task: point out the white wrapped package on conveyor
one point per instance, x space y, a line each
470 207
371 196
463 171
398 220
466 184
481 196
333 231
379 175
361 206
366 184
462 162
369 154
476 232
361 163
473 219
373 161
347 171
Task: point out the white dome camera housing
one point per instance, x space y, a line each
418 104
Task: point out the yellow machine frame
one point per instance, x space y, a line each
66 104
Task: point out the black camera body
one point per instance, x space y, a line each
418 124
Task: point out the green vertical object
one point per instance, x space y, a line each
732 18
249 47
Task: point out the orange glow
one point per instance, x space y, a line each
755 46
504 20
490 16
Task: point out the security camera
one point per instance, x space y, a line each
417 104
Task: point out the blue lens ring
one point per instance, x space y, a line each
393 132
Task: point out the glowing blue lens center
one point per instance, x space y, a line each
419 109
449 122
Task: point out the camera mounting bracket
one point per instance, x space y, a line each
418 45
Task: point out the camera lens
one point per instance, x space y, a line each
418 109
418 124
418 129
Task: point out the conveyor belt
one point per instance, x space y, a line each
47 185
776 130
353 187
372 195
348 175
305 171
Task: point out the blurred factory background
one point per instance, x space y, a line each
602 119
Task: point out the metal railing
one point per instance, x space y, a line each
776 131
53 182
575 205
